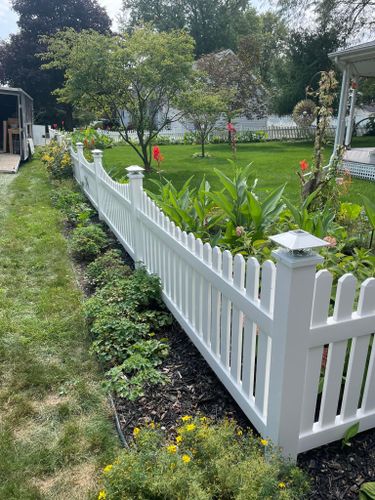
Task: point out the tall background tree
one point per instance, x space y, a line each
354 18
20 65
212 23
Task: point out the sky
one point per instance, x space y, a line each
8 19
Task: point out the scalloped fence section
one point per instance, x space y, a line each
302 372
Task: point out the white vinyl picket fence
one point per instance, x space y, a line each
265 330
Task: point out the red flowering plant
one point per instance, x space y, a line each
157 156
303 165
232 137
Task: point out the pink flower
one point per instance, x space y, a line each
230 127
331 240
54 125
240 231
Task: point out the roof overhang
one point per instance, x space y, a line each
14 91
360 59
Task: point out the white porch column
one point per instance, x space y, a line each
349 128
340 130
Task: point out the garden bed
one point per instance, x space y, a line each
335 472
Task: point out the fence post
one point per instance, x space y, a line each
79 146
294 290
136 189
98 155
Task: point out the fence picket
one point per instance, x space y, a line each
366 306
216 303
198 289
250 328
226 307
264 341
322 295
190 283
237 319
206 296
336 352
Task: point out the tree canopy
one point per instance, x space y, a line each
353 17
212 23
19 62
140 73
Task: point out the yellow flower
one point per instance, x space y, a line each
203 420
239 432
264 442
190 427
178 439
102 495
108 468
186 459
152 425
172 448
136 431
186 418
282 485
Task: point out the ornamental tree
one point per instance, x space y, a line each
226 73
202 106
135 77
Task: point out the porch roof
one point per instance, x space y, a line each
360 58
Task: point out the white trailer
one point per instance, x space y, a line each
16 128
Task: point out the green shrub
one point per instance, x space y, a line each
73 206
88 242
114 336
206 461
124 314
91 139
56 160
139 369
106 268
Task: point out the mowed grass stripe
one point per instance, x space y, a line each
55 424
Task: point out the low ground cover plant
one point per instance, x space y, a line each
106 268
204 461
125 313
88 242
73 205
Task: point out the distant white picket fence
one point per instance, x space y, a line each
272 133
268 340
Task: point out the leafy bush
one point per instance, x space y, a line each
114 336
56 160
73 206
206 461
91 139
88 242
124 314
106 268
139 369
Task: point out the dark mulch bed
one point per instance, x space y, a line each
335 472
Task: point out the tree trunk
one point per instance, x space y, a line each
202 144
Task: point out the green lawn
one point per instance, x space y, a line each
56 431
274 163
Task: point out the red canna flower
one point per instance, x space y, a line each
304 165
157 156
230 127
156 153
